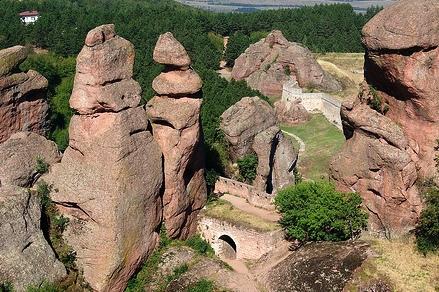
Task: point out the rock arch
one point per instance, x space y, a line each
227 247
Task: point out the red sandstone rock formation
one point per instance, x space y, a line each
23 105
269 63
108 182
175 117
250 127
291 113
386 153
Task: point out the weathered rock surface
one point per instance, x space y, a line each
171 52
291 113
109 180
269 63
23 105
242 121
323 266
175 118
389 152
10 58
25 256
19 154
276 160
250 126
177 83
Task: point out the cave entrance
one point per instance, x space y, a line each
227 247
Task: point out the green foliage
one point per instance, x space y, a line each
211 177
199 245
6 287
376 103
313 211
45 287
247 167
53 225
146 273
176 273
202 285
427 230
41 166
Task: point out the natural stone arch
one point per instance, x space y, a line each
227 247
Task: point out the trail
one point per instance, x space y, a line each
243 205
302 145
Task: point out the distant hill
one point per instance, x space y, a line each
254 5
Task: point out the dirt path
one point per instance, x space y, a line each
242 204
302 145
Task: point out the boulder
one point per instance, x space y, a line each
169 51
242 121
175 119
19 155
103 81
10 58
26 259
291 113
276 160
269 63
23 104
391 148
177 83
110 177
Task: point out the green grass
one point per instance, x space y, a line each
322 141
224 210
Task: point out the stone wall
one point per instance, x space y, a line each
250 243
314 102
235 188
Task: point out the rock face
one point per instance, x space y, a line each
109 179
325 266
269 63
250 127
25 256
386 153
19 156
291 112
23 106
175 117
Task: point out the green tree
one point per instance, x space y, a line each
427 230
247 167
313 211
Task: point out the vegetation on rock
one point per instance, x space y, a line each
314 211
247 168
427 230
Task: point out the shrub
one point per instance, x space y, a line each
313 211
45 287
6 287
376 103
427 231
203 285
247 167
199 245
41 165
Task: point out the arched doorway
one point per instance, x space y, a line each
227 247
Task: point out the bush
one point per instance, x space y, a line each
203 285
247 167
313 211
41 165
199 245
45 287
427 231
6 287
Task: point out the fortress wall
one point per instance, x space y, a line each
235 188
314 102
250 243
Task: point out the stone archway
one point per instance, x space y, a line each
227 247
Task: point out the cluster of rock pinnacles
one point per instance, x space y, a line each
116 182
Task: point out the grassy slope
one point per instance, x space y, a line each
398 263
224 210
322 141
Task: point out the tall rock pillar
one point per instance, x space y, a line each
109 180
175 116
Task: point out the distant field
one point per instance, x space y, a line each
348 68
322 140
253 5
